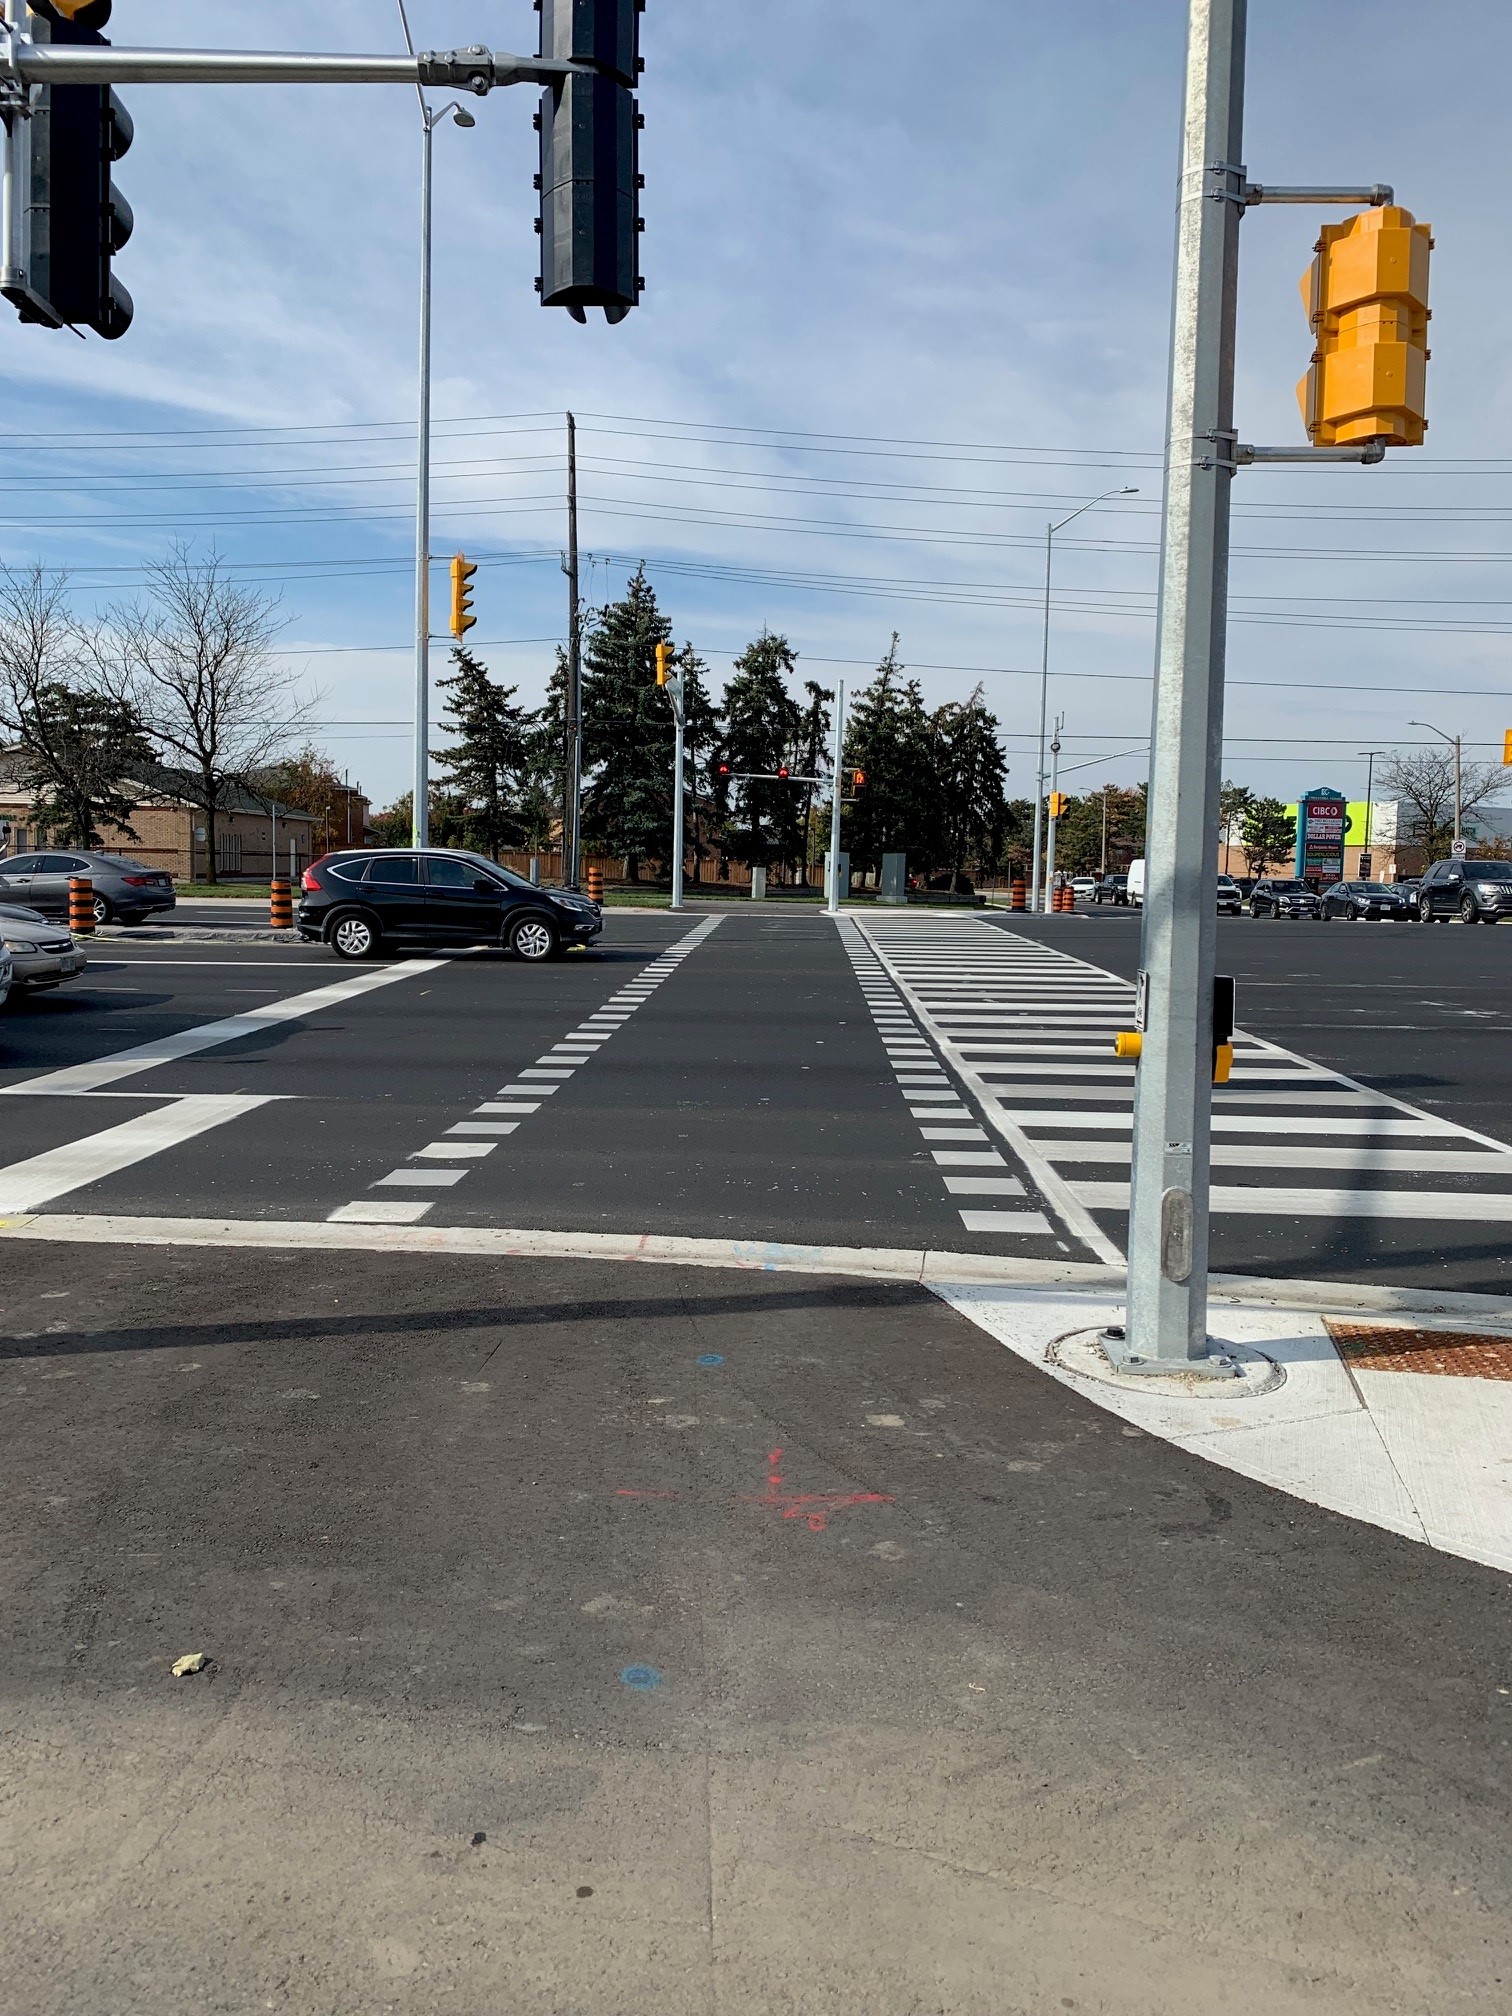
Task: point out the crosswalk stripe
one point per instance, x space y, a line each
1028 1030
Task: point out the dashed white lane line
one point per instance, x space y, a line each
208 1035
536 1081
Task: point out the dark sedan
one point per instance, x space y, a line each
1271 897
1362 900
125 891
362 903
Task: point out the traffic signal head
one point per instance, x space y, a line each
859 778
462 572
782 770
74 218
663 663
1060 804
1507 745
722 769
1366 295
589 178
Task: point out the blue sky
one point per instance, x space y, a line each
908 276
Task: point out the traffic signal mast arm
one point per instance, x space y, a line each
476 69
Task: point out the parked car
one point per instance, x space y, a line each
1084 885
1112 889
7 973
1479 892
1134 884
1245 884
361 902
124 890
40 955
1359 900
1273 897
1230 902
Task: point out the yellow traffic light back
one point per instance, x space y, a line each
1507 745
663 663
1366 295
1060 804
462 618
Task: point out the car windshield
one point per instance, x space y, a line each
1227 882
1377 889
1290 888
1491 871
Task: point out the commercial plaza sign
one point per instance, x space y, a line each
1322 822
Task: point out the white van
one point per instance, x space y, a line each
1136 884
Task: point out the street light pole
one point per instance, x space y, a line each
1454 744
1050 532
572 809
1166 1326
420 803
1370 755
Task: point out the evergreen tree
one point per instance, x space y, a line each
487 757
972 775
78 754
627 731
1079 833
1267 833
543 793
810 757
702 820
762 723
890 738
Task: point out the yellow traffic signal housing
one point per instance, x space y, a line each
663 663
462 618
1366 295
1060 804
1507 745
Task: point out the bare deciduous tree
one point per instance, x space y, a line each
1425 778
76 741
197 653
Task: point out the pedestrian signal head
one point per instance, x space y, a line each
663 663
782 770
724 769
858 778
462 618
1366 295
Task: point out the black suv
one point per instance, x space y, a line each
1272 897
1478 891
360 902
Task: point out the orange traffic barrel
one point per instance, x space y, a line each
281 904
81 913
1018 894
595 881
1068 897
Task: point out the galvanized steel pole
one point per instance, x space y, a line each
420 803
572 808
1168 1219
832 878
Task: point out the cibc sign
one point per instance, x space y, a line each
1322 820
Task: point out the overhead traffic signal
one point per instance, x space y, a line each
589 179
73 220
462 572
663 663
1507 745
1366 295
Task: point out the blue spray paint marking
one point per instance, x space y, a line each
642 1678
710 1358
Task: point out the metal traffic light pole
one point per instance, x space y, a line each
832 874
1166 1328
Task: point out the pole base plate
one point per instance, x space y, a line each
1104 1356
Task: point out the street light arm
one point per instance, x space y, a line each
1127 491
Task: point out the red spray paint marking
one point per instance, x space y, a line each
812 1507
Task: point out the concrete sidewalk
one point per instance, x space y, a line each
1401 1420
589 1639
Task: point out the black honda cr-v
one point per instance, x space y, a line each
360 903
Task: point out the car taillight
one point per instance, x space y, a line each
310 880
139 881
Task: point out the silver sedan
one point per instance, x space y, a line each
40 954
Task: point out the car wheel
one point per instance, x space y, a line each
103 914
532 937
350 935
1469 910
1425 910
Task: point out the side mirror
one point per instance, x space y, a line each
484 886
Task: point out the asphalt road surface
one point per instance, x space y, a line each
586 1640
597 1640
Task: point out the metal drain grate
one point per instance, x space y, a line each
1399 1347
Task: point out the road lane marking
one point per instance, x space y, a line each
378 1212
40 1178
433 1179
549 1072
209 1035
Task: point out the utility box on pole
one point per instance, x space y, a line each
893 887
758 885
